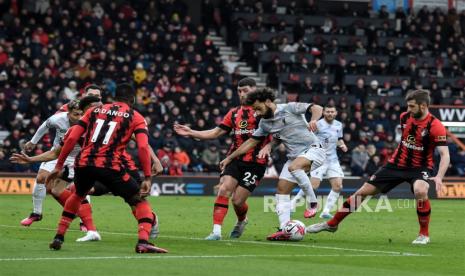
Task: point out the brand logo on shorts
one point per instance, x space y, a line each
425 175
243 124
373 177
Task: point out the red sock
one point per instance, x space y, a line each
424 212
145 218
69 213
241 211
220 209
85 213
349 206
63 197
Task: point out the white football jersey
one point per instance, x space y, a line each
329 134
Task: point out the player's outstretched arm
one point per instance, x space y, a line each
209 134
30 145
23 158
266 150
243 149
443 166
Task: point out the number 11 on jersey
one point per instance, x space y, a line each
98 128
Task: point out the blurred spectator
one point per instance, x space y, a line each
211 158
182 158
359 161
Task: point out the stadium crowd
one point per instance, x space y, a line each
50 50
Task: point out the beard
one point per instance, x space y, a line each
417 115
268 114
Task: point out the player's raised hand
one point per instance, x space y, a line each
438 181
224 163
182 130
312 126
29 146
265 151
52 176
157 168
20 158
145 187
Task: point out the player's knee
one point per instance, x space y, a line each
420 192
133 200
337 187
55 192
315 182
283 189
238 202
225 191
292 167
41 177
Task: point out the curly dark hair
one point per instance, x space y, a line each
73 105
261 94
86 101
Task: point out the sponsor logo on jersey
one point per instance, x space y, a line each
244 131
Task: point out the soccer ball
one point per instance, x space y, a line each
295 229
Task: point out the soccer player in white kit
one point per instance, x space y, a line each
287 123
330 134
61 122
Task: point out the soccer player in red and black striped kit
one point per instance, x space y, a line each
412 162
107 130
241 176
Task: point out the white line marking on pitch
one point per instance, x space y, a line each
248 242
193 257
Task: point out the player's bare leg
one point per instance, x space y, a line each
298 169
349 206
39 193
228 185
333 196
420 189
240 207
283 208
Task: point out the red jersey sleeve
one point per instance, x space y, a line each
438 133
227 124
142 139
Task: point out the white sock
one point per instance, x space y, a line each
330 201
283 209
88 198
304 183
298 196
38 195
217 229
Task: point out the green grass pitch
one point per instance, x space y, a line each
365 244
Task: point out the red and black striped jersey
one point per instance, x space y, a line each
128 162
241 122
107 130
419 138
126 159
